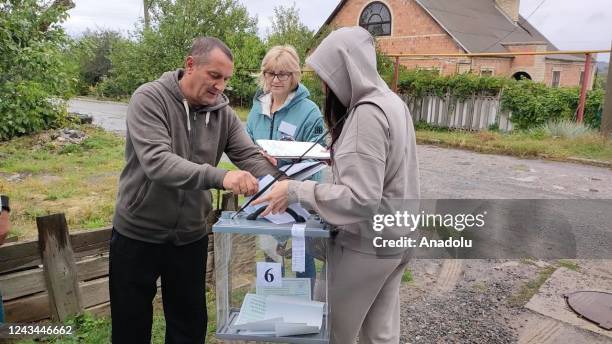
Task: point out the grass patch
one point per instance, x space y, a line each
92 329
568 264
528 261
79 180
528 290
481 287
407 276
242 112
533 144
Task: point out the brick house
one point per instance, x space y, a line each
461 26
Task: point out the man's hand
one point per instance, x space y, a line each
278 198
240 183
4 225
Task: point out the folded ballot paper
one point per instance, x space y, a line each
293 149
303 170
281 218
275 315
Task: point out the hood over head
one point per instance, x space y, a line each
346 61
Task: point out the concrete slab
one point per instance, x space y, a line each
549 301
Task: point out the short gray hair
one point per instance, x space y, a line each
202 46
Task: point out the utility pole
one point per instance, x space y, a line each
606 116
147 19
586 82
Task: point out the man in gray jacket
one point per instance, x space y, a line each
177 130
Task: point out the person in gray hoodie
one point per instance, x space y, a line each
373 163
178 127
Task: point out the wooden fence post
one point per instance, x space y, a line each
59 267
229 201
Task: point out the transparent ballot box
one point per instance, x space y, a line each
271 280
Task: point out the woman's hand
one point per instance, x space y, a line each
271 159
277 197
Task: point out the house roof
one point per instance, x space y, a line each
480 26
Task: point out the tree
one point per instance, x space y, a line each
164 45
33 73
287 28
91 52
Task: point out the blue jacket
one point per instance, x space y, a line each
299 120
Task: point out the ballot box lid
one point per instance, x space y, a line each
239 224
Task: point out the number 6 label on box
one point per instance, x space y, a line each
269 275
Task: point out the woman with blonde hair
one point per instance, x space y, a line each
282 110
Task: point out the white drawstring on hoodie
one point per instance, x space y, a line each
186 105
187 114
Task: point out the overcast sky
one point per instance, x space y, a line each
569 24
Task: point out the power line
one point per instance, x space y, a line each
517 26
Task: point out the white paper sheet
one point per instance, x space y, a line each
281 218
294 310
279 315
298 248
294 287
303 170
253 309
268 326
293 149
269 275
289 329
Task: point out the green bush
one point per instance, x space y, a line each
315 87
33 75
532 104
418 83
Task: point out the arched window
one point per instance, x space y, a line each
376 18
521 75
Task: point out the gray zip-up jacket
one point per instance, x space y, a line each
375 160
171 153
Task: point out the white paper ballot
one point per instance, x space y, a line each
303 170
253 309
294 310
289 329
269 275
298 248
281 218
293 149
294 287
279 315
268 326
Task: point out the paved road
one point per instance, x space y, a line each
452 173
109 115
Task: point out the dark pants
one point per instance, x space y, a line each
134 268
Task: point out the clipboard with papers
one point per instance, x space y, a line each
294 149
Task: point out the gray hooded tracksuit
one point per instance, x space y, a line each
374 160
